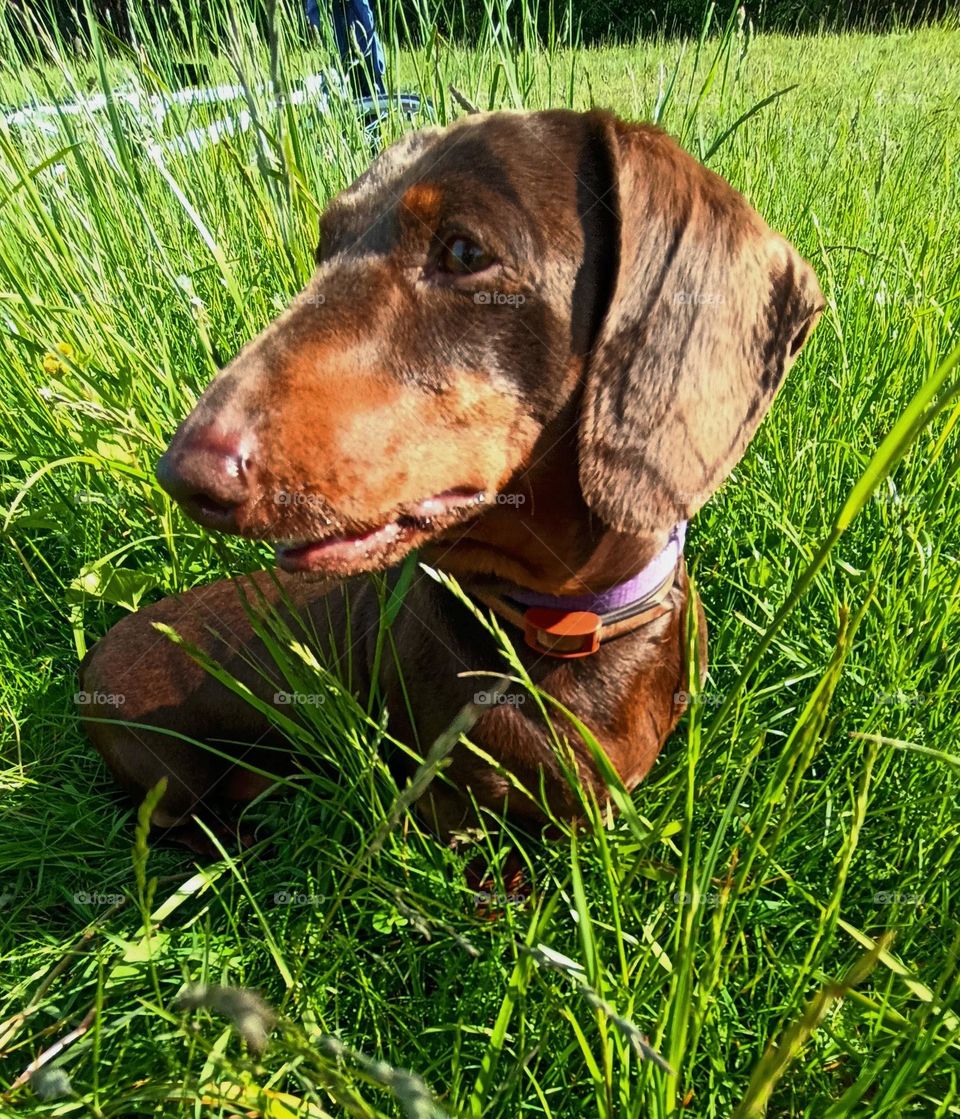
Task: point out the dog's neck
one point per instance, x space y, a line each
540 535
574 626
621 596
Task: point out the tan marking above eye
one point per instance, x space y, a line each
423 200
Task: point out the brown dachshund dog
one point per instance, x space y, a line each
534 344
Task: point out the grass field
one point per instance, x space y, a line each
780 915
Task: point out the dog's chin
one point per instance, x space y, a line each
383 544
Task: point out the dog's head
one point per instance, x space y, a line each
476 284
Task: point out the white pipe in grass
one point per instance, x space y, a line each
315 88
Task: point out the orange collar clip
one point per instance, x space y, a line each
562 633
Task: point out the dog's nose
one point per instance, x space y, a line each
210 474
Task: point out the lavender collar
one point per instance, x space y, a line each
634 590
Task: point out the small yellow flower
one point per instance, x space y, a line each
51 360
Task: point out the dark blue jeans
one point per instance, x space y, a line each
353 19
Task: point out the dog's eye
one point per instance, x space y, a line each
462 257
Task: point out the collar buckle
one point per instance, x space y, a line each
565 634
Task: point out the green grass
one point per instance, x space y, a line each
807 808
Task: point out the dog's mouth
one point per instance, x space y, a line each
380 544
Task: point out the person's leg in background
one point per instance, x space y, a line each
354 30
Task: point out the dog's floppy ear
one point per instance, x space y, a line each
708 310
